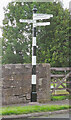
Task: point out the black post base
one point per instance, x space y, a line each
34 97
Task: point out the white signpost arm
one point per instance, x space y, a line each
42 16
42 24
26 21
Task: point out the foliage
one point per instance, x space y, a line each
52 41
31 109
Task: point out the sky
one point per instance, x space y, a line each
4 3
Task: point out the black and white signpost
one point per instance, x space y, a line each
35 24
33 93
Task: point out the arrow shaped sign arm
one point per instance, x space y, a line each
42 16
43 24
26 21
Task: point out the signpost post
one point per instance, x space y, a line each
35 24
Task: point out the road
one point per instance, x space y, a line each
64 115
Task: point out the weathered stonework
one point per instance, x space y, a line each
16 83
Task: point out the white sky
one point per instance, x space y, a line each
3 3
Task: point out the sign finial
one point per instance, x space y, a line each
34 9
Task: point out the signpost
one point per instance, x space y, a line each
35 24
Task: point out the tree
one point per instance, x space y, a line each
56 43
16 44
52 41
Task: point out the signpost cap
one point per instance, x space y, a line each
34 9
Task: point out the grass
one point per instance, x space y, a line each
57 92
31 109
56 98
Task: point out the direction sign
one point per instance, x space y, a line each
42 16
26 21
35 14
35 24
42 24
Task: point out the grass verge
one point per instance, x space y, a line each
31 109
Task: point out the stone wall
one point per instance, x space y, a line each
16 83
